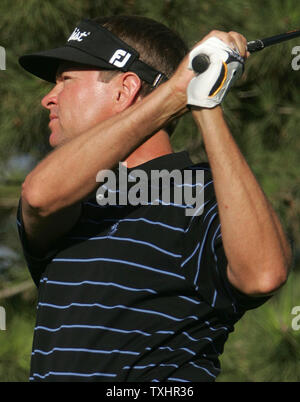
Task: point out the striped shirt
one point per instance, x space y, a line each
136 293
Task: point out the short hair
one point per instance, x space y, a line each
158 45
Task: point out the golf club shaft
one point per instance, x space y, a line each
201 62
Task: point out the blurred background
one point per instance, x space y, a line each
263 111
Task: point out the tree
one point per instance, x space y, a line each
263 109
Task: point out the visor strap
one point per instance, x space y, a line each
147 73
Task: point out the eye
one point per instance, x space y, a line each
66 77
63 77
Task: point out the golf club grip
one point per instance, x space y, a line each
200 63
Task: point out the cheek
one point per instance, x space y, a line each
87 107
99 105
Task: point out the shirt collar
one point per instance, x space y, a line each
169 162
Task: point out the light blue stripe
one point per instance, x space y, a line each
213 242
123 331
58 373
200 339
190 300
216 261
135 220
85 260
188 350
208 212
212 344
151 365
129 240
139 367
201 249
195 215
96 284
189 185
153 202
203 368
169 365
173 350
94 351
170 204
177 379
215 329
193 253
191 338
118 306
197 211
214 299
114 191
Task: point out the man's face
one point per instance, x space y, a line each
78 101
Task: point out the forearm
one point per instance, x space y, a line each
68 173
254 242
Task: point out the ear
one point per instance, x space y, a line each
129 86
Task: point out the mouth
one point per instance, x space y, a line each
52 119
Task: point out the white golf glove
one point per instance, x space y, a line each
209 88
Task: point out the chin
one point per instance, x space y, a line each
54 140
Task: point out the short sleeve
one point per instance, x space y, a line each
242 301
36 265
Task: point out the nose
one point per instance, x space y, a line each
51 98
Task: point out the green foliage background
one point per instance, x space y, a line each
263 111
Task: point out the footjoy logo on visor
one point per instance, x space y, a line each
77 35
120 58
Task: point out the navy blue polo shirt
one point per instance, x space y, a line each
136 292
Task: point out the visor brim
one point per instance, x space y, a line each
45 64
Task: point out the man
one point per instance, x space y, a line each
141 292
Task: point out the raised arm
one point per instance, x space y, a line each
257 250
52 192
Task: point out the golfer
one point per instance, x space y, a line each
141 291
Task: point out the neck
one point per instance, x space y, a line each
158 145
